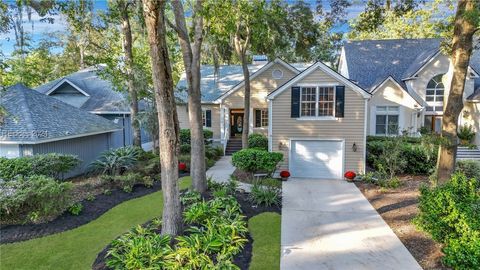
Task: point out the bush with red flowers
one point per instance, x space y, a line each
182 166
284 174
350 175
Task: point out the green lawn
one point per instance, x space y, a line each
265 231
78 248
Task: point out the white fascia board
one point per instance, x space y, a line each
65 80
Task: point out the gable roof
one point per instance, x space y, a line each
213 86
327 70
390 78
102 97
371 61
33 117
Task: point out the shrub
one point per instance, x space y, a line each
116 161
75 209
470 168
264 195
258 141
412 155
127 181
185 137
466 134
185 149
35 198
213 152
450 213
254 160
52 165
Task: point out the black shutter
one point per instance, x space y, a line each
208 116
339 101
258 118
295 106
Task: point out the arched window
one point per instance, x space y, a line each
434 95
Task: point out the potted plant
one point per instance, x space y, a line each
466 135
284 175
350 175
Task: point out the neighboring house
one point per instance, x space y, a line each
86 90
38 124
408 80
311 113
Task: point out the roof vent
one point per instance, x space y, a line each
259 59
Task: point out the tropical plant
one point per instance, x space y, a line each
116 161
265 195
75 209
465 134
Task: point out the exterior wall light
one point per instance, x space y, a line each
354 147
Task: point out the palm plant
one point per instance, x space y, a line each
116 161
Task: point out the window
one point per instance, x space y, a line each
204 118
386 120
261 117
434 95
317 101
277 74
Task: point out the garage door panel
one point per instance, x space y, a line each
317 159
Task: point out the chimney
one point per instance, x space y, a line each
259 59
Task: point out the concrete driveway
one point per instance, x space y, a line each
329 224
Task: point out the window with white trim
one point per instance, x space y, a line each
434 95
261 117
317 101
386 120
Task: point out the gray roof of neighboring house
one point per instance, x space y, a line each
212 87
102 95
33 117
370 62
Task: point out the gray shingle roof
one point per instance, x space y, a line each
33 117
102 94
212 87
370 62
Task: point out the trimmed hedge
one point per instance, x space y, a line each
35 198
450 213
52 165
258 141
255 160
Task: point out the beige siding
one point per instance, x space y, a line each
261 86
350 128
184 122
390 94
471 116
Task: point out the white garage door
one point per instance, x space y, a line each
316 159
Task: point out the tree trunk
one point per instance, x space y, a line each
154 12
241 50
461 51
132 92
191 59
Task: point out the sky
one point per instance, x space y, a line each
40 30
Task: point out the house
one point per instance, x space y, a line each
88 91
310 112
409 82
35 123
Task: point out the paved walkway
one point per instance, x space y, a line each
328 224
221 171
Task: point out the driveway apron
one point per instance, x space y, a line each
329 224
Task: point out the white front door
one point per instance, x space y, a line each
321 159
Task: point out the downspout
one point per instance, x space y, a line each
123 130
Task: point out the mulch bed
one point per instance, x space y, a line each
242 259
91 211
398 207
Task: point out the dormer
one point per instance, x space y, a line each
68 92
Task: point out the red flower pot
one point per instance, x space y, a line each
350 175
182 166
284 175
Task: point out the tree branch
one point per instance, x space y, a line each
171 25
